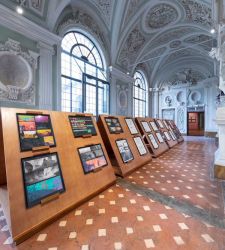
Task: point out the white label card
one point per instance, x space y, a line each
140 145
153 141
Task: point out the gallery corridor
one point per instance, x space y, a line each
171 203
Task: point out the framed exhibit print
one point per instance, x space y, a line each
92 158
172 135
42 177
35 131
82 126
124 150
155 128
160 124
167 136
140 145
113 125
153 141
131 126
159 136
146 127
165 123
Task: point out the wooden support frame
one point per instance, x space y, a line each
165 130
162 146
121 168
79 187
175 129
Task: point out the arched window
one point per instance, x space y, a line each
83 76
140 95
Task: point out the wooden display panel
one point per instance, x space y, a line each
78 186
175 129
162 147
110 139
171 142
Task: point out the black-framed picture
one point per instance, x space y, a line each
159 136
140 145
172 135
165 123
124 150
154 127
153 141
82 125
146 127
42 177
160 124
92 157
167 136
131 126
35 131
114 125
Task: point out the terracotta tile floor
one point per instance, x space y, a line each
119 218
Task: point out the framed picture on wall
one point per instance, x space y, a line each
159 136
124 150
140 145
114 125
35 131
153 141
154 127
82 126
146 127
42 177
92 157
131 126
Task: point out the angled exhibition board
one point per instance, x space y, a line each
25 218
167 133
124 143
152 136
175 129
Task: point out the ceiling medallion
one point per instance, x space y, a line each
175 44
161 15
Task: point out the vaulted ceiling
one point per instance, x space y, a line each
163 37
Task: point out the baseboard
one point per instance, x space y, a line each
210 134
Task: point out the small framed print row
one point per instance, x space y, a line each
140 145
159 136
132 127
114 125
172 135
35 130
146 127
124 150
154 127
160 123
167 136
153 141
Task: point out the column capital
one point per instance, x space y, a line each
47 48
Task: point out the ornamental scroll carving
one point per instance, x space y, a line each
17 73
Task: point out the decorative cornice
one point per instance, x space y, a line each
120 75
10 19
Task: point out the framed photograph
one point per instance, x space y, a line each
153 141
131 126
166 125
140 145
92 157
155 128
124 150
146 127
42 177
113 125
172 135
82 125
167 136
35 131
160 124
159 136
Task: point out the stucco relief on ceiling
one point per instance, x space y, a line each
132 46
160 16
175 44
106 8
198 12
